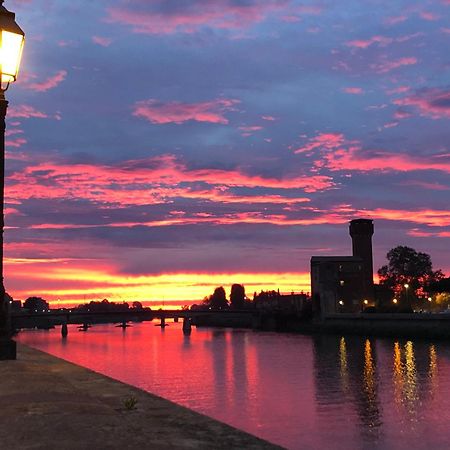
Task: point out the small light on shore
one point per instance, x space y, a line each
430 299
394 301
366 302
341 302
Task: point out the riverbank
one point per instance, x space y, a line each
48 403
429 326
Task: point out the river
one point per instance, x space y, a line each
301 392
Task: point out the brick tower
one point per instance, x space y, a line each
361 231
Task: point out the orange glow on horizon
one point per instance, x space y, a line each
67 283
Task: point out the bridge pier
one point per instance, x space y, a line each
84 327
187 326
64 330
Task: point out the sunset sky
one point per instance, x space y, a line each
157 149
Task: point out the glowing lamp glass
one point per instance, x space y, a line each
11 45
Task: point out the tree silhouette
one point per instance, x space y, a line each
218 300
408 273
237 296
442 285
36 304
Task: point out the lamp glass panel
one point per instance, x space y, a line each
10 55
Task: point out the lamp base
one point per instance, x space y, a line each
8 349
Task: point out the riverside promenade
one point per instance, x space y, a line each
48 403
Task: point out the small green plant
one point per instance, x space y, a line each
130 403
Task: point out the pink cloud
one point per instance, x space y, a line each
408 37
154 18
353 158
445 30
13 132
395 20
269 118
387 66
64 43
338 154
151 181
353 90
402 114
176 112
326 141
382 41
428 15
17 142
26 112
430 217
249 130
48 84
103 41
361 43
390 125
420 233
434 103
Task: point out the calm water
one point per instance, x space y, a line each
327 392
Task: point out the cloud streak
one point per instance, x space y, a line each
159 17
151 181
49 83
434 103
160 113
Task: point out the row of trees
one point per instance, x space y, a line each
38 304
218 299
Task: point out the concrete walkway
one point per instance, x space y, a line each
47 403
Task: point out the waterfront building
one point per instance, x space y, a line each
274 301
345 283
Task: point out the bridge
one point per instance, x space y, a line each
55 317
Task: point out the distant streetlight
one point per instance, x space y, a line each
12 39
406 286
430 299
394 301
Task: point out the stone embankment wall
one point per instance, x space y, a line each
407 325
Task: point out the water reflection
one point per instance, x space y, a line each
340 392
343 365
369 404
432 369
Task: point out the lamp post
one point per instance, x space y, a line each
11 44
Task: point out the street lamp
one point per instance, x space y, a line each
12 39
406 286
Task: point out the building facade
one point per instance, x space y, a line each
345 283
